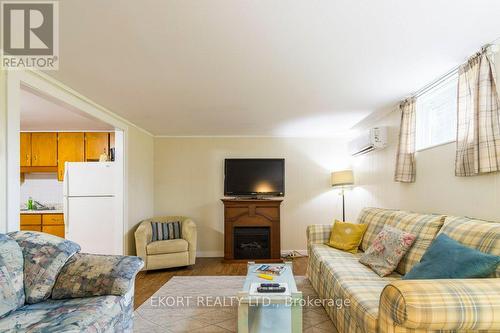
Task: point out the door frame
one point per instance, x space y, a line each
11 84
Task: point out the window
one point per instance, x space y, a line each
437 115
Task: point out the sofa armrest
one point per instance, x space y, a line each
86 275
318 234
451 304
189 235
143 235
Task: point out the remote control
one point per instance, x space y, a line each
271 289
269 285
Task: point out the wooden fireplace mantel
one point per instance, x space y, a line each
252 213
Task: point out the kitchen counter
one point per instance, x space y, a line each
50 211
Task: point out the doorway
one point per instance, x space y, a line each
47 112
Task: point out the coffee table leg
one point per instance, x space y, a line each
296 310
243 318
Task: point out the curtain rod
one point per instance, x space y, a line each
488 48
436 82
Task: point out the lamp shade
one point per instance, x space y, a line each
342 178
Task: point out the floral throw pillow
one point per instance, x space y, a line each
386 250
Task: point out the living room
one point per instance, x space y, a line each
294 136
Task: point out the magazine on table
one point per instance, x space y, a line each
271 269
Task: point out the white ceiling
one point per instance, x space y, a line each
42 113
263 67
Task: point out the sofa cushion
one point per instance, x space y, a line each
94 314
44 256
346 236
448 259
167 246
424 226
86 275
376 219
11 275
342 277
386 251
478 234
319 254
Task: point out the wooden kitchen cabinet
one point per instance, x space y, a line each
49 223
52 219
25 142
31 222
31 228
43 149
96 143
47 152
53 224
70 148
56 230
31 219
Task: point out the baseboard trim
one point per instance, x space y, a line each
210 254
286 252
220 254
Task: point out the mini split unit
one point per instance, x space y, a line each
373 139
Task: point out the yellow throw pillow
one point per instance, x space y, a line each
346 236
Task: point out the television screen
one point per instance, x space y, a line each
256 176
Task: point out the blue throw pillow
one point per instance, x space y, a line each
448 259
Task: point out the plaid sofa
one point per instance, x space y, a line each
374 304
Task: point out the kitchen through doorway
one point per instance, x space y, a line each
67 177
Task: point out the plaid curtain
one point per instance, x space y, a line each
405 159
478 130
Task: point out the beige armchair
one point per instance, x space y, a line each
166 253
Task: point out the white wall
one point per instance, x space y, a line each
140 182
436 189
189 181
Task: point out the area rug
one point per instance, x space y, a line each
207 304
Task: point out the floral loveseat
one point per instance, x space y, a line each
390 304
46 285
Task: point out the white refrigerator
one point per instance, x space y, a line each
90 207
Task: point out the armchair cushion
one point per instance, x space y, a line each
11 275
44 256
165 230
86 275
167 246
151 257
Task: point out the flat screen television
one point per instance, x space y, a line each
254 177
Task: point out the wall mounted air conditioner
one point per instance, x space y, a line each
373 139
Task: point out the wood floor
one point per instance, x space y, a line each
147 283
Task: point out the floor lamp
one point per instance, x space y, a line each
342 179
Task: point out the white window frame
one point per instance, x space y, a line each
451 80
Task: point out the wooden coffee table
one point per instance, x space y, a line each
270 313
